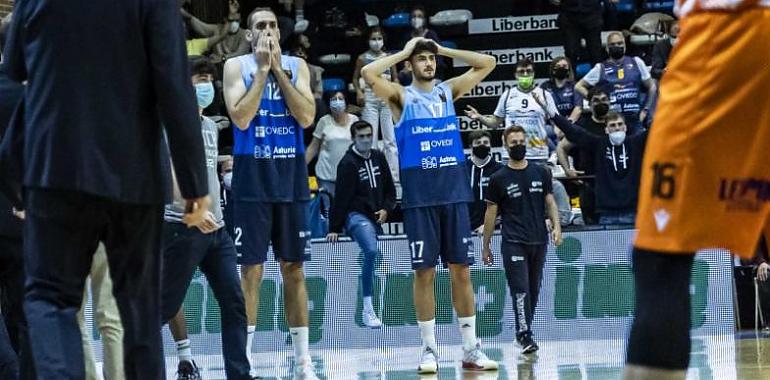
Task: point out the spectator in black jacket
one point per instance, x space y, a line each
618 161
581 19
365 196
662 50
481 166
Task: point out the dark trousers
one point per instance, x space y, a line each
61 234
588 203
764 300
185 249
575 26
523 265
14 339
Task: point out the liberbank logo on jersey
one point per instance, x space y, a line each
418 130
264 131
267 152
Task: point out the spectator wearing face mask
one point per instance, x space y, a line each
623 78
583 160
375 111
517 106
618 160
561 85
481 166
331 140
366 197
229 39
662 50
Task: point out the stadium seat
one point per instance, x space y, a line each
582 69
658 6
371 20
449 44
651 23
334 59
451 17
333 84
397 20
626 6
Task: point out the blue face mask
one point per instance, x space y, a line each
205 94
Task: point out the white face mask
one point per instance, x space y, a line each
337 105
234 27
376 44
418 22
673 40
617 137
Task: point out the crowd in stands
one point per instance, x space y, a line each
593 143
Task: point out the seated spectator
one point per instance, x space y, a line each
561 85
662 50
583 160
229 39
618 162
331 139
481 166
367 196
581 19
623 78
518 107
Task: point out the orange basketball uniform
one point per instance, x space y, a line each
706 174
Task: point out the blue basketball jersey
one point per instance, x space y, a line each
622 82
269 156
430 150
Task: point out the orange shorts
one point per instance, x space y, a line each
706 174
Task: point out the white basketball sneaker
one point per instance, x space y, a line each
370 319
304 370
477 360
428 362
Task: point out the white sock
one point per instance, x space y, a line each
468 330
299 339
249 340
368 304
184 350
428 334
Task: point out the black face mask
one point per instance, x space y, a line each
601 109
560 72
517 152
481 151
617 52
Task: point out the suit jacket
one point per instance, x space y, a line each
102 77
10 100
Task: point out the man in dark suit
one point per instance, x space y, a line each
101 78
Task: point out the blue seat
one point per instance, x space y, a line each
333 84
663 6
449 44
626 6
397 20
582 69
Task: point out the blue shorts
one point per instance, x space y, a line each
257 224
439 231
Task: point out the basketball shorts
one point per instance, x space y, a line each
706 174
439 232
257 224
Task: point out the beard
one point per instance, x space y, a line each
425 77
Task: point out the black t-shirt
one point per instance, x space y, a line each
583 158
520 198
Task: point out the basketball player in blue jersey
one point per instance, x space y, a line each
435 184
269 99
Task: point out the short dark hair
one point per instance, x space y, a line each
612 116
423 46
418 7
200 65
475 135
256 10
357 126
327 95
513 129
375 29
524 62
595 91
